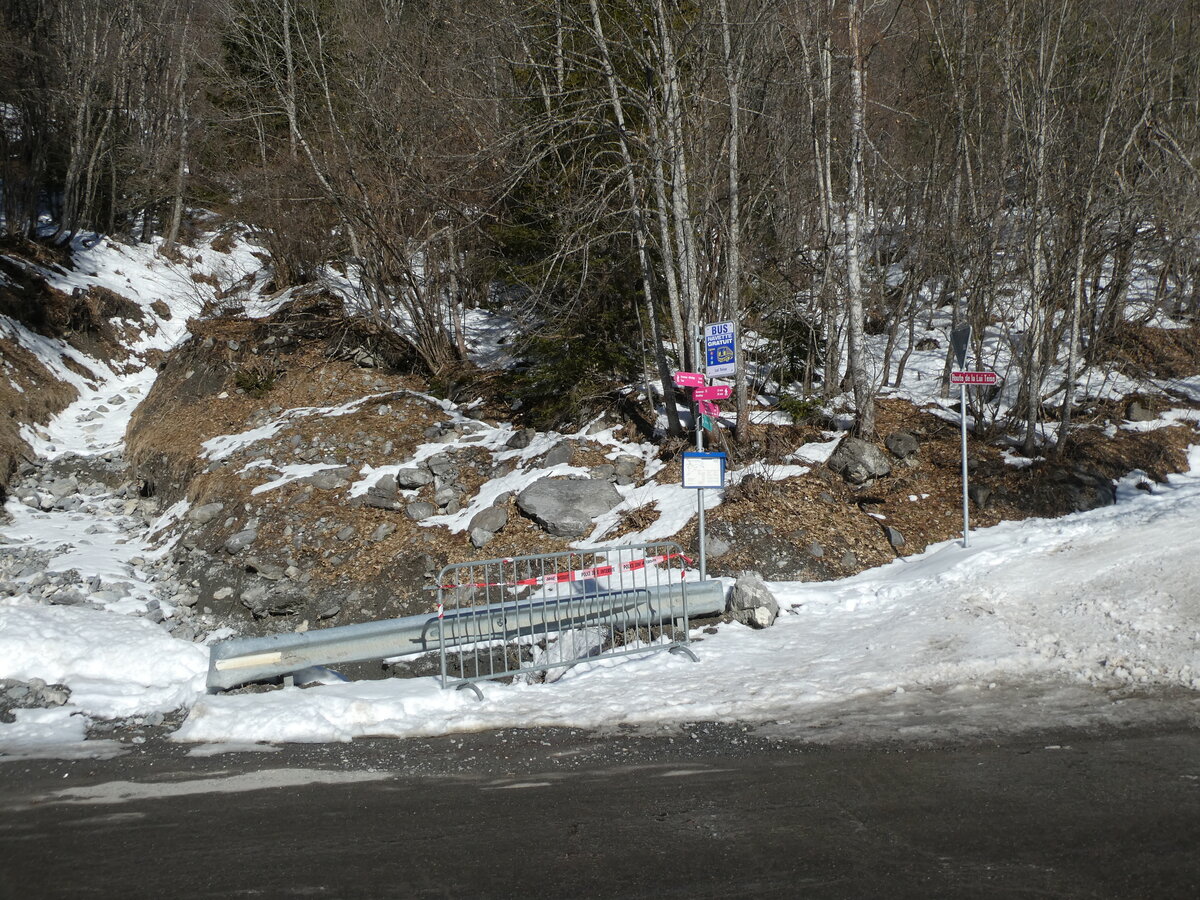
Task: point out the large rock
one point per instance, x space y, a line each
858 461
902 444
751 601
491 519
1085 489
410 479
202 515
565 507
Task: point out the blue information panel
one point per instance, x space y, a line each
720 349
703 470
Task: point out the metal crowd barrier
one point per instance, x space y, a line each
522 616
661 601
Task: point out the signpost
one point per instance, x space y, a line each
960 337
708 409
689 379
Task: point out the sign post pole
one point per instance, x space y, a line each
959 339
700 534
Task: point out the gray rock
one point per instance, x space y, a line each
895 538
441 464
238 542
411 479
858 461
1085 489
263 603
1137 411
816 551
751 601
445 496
627 465
420 509
902 444
385 487
64 487
560 455
328 480
521 439
381 533
345 533
979 494
263 569
377 502
503 499
565 507
479 537
715 547
849 560
202 515
492 519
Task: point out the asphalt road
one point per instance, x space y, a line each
707 812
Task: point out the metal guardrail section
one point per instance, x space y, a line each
534 614
242 660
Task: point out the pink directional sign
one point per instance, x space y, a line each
714 392
708 409
689 379
974 378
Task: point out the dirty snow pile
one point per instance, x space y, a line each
1089 619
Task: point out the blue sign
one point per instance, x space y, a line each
720 349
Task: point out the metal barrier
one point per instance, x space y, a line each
520 616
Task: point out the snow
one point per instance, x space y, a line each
1039 623
1091 618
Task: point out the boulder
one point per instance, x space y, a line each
560 455
420 509
238 542
1138 411
411 479
858 461
565 507
202 515
751 601
492 519
521 439
1085 488
902 444
441 464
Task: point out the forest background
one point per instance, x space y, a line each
618 173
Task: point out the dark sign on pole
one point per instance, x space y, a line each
960 337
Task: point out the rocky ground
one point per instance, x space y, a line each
318 400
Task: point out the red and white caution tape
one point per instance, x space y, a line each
632 565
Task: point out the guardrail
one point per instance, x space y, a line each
523 616
242 660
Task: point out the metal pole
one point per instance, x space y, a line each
963 418
699 447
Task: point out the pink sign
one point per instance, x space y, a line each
708 409
689 379
713 392
974 377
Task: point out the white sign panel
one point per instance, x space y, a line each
704 470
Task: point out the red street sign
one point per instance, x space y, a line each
708 409
714 392
689 379
974 378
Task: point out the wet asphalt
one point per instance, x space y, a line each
705 811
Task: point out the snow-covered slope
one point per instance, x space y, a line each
1087 619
